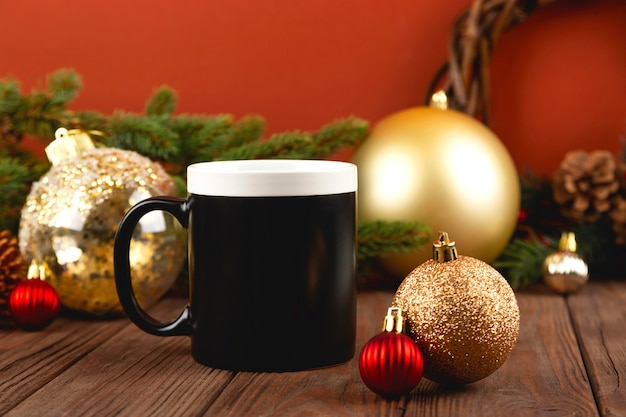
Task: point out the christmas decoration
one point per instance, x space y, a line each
34 302
12 270
71 216
465 78
173 140
473 38
565 271
586 195
461 312
391 363
586 184
445 169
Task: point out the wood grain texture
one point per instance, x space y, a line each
30 360
102 368
334 391
599 317
130 374
543 376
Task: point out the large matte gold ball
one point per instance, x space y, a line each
464 316
446 169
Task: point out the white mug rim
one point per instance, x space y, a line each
271 178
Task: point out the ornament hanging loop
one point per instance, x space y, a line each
444 249
36 270
68 144
439 100
567 243
394 322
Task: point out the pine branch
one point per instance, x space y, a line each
339 135
211 138
88 121
14 179
162 102
149 136
296 145
40 113
63 86
381 238
10 97
521 262
246 130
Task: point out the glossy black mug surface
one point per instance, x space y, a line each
271 277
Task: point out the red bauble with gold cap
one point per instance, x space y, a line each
34 303
391 363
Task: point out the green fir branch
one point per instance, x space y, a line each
41 112
378 238
521 262
297 145
10 97
149 136
90 121
211 138
14 179
340 135
162 102
63 86
248 129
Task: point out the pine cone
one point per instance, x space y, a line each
12 269
586 185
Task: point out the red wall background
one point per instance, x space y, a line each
559 79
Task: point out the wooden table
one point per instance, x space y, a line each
570 360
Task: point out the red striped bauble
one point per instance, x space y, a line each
391 364
34 304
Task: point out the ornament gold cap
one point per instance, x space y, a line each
36 270
439 100
68 144
444 249
394 322
567 243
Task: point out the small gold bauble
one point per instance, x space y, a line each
446 169
565 271
461 312
70 219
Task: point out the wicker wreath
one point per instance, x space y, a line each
473 37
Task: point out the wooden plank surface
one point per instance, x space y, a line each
335 391
29 360
543 376
112 368
599 316
131 374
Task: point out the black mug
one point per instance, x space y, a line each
272 264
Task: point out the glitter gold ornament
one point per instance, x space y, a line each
461 312
445 169
565 271
71 216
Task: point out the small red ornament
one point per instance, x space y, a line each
391 363
34 303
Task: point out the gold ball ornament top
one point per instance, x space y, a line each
71 216
461 312
565 271
445 169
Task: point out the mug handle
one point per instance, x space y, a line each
177 207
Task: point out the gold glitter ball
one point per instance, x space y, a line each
70 219
464 316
